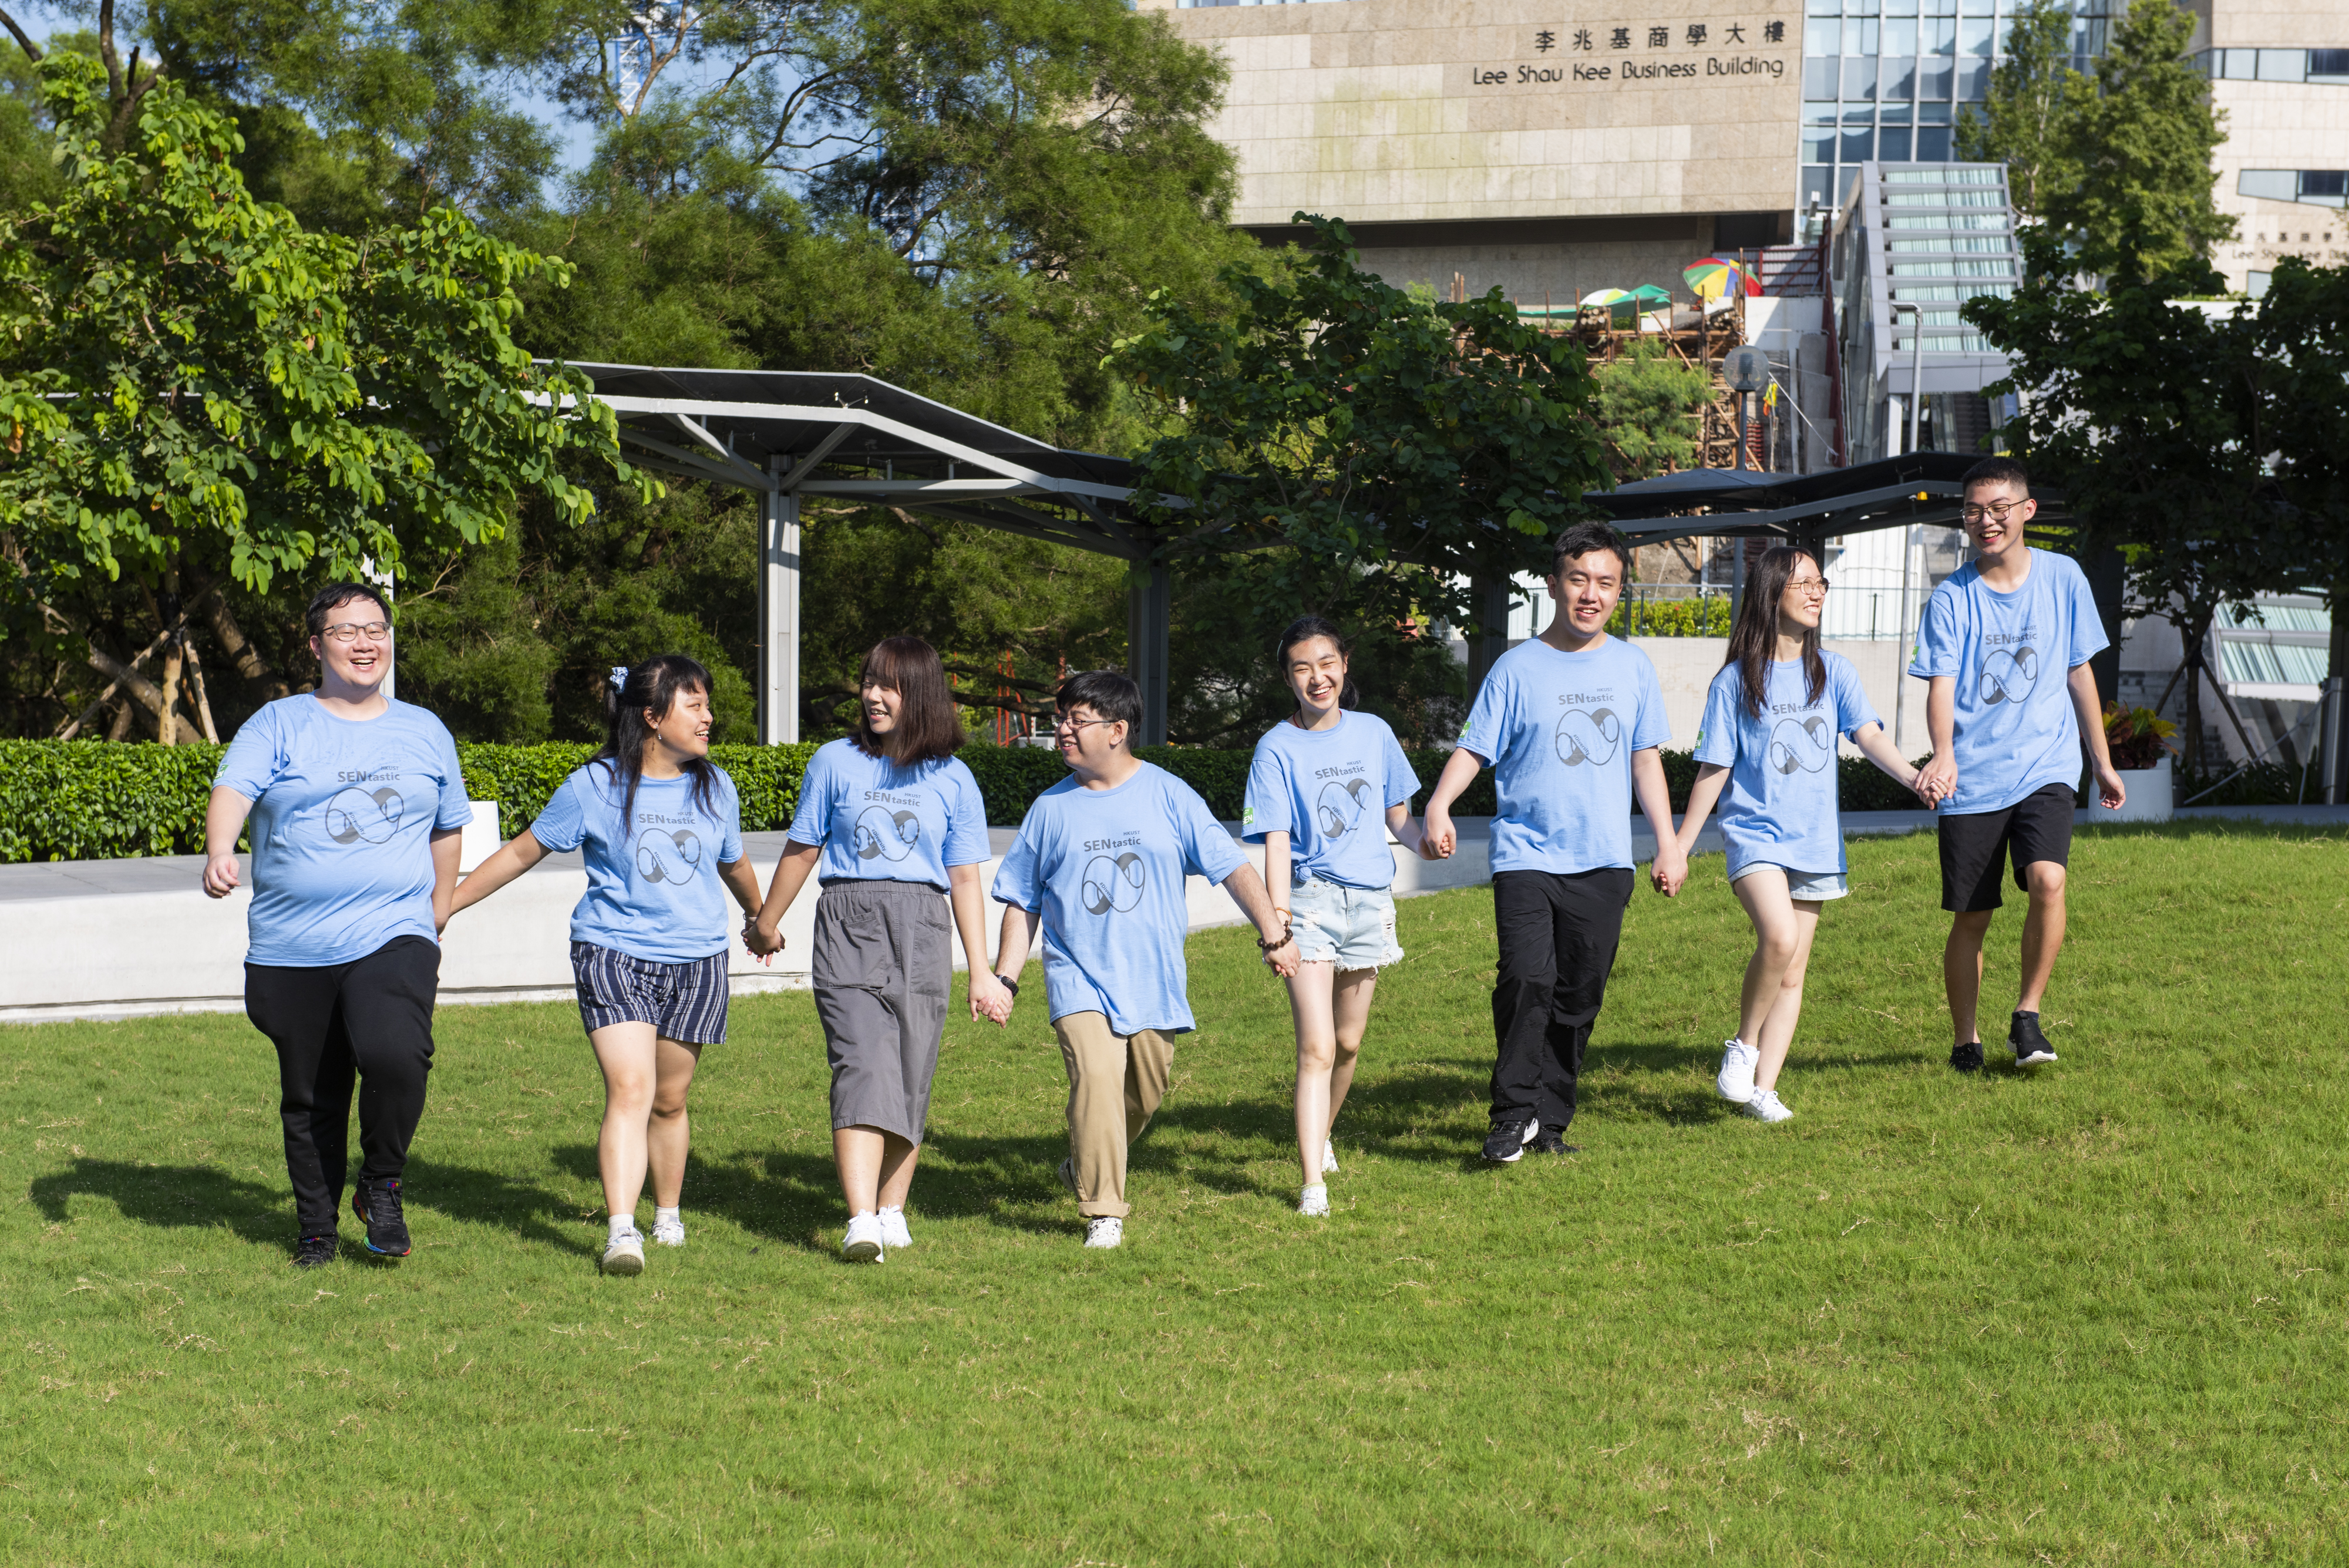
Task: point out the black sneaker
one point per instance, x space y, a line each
314 1252
1549 1142
2030 1047
1507 1143
377 1203
1966 1058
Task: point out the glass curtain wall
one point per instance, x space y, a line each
1887 80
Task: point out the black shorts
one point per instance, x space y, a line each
2036 827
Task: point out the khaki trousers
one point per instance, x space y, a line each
1116 1082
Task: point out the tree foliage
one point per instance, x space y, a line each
1650 410
2027 120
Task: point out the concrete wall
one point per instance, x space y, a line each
1686 667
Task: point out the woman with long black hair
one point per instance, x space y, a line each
1325 786
1772 718
662 830
892 824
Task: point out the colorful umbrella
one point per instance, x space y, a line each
1712 277
1605 297
1627 305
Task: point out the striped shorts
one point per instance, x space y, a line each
681 1001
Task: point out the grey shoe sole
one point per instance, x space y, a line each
862 1252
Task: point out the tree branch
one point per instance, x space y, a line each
32 50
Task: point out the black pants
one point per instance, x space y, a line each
1558 938
369 1020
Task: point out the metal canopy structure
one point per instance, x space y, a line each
789 434
1918 487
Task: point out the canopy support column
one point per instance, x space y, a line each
1488 633
778 611
1149 609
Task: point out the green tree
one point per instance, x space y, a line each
1650 410
197 390
2137 189
2303 345
2026 119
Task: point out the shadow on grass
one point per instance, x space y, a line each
493 1198
172 1196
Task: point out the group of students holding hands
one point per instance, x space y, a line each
355 803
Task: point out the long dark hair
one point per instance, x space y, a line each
1305 629
927 727
1753 640
654 684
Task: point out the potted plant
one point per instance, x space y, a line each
2141 747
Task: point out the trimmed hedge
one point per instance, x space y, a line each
89 800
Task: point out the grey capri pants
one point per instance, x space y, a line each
882 973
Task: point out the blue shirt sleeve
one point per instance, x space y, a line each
1207 850
813 817
255 755
456 806
1853 710
1716 735
1266 806
1019 881
1402 782
1938 652
1652 728
561 826
1486 733
967 843
2088 638
729 809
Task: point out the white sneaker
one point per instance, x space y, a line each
1329 1158
864 1242
670 1232
625 1254
1735 1080
893 1229
1314 1201
1105 1232
1766 1107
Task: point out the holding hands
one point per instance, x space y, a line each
763 939
991 996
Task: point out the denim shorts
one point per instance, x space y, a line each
1354 927
1814 886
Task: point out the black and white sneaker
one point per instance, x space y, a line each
1550 1142
1967 1058
1507 1143
377 1205
314 1252
2030 1047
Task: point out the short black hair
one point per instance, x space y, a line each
1109 692
1582 539
1997 470
333 596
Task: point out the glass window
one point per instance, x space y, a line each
1818 185
1892 145
1818 113
1932 114
1974 35
2282 64
1898 77
1941 8
2269 184
2323 183
1938 36
1819 147
1975 7
1858 79
2256 284
1821 78
1900 8
1895 113
1933 144
1823 7
1973 81
1858 146
2328 62
1933 77
1859 114
1899 36
2240 65
1859 35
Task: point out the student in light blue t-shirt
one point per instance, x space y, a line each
1324 788
1772 718
1104 857
891 822
1571 721
661 832
2005 643
357 805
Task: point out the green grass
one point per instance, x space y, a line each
2093 1315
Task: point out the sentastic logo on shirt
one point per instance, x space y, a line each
2008 673
666 854
1340 808
885 834
1588 734
358 814
1115 877
1801 746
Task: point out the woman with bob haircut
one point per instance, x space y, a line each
662 830
1772 718
893 826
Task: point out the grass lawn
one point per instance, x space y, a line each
2094 1314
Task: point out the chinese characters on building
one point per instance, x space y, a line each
1696 37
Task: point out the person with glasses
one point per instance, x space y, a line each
892 824
2004 645
1102 857
358 806
1772 721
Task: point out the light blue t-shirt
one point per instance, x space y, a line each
1559 729
1329 790
343 817
653 891
1780 807
2012 656
880 823
1107 869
